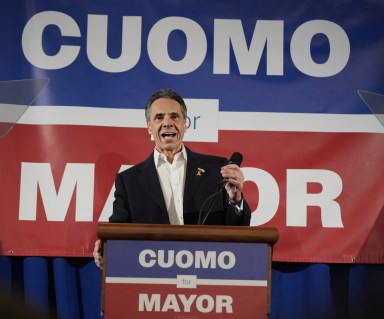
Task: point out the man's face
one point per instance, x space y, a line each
167 125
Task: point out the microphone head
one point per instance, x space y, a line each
236 158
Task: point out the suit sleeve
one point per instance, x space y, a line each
233 218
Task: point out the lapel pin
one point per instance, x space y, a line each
200 171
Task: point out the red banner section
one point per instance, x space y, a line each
164 302
323 191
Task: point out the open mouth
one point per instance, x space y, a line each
167 135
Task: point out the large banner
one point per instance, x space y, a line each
276 81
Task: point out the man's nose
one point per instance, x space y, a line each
167 121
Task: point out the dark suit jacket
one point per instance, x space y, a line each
139 198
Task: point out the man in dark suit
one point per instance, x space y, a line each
172 185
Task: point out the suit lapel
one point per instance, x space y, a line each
193 175
150 181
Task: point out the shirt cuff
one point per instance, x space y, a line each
238 207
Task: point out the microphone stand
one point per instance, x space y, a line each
203 217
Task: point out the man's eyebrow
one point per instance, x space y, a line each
162 114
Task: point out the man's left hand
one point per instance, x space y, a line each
235 181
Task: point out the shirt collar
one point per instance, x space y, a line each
159 157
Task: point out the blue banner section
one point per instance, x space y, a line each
274 56
206 260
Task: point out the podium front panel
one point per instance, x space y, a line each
148 279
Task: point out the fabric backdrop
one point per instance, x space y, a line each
313 150
69 288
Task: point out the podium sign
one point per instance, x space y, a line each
186 279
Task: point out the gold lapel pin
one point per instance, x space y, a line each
200 171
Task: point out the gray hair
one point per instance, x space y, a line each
167 94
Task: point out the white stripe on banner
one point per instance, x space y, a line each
173 281
300 122
80 115
249 121
10 113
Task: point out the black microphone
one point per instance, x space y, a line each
236 158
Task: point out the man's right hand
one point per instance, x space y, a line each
98 254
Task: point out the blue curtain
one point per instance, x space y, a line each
69 288
64 288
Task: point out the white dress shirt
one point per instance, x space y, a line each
172 180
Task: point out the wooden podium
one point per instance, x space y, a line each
186 272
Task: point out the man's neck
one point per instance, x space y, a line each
170 155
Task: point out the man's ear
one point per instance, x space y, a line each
149 129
